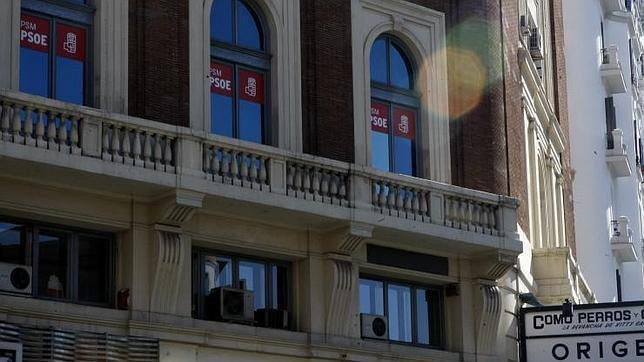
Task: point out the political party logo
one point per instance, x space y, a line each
70 41
379 117
404 120
251 85
221 79
34 33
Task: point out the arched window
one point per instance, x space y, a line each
239 72
394 108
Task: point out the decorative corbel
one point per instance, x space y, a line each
493 266
490 319
348 239
170 259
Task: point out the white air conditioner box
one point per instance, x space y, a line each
15 278
374 326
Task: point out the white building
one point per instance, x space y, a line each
605 85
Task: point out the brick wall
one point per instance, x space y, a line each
158 64
327 82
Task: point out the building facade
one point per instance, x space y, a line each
605 112
273 180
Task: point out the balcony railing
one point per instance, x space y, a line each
142 147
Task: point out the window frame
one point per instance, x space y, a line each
440 308
198 294
240 57
32 253
392 96
73 14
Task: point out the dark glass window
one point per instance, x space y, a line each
239 72
13 243
268 280
54 50
66 264
53 264
414 312
93 269
394 108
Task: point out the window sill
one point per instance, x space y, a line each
47 312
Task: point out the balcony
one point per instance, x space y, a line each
120 154
611 71
621 241
558 277
616 155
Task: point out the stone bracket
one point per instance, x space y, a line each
170 259
346 240
341 296
179 207
494 265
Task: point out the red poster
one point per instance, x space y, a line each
70 42
34 33
380 117
251 86
221 79
404 123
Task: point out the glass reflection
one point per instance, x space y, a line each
253 274
12 243
250 121
221 114
400 73
371 297
34 72
399 302
221 21
378 60
70 80
52 264
248 30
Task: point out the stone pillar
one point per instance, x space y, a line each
9 44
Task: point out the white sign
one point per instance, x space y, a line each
608 332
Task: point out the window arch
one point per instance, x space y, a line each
394 108
239 71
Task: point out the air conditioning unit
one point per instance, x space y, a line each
15 278
230 305
374 326
621 232
10 352
536 49
271 318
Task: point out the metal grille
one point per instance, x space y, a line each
52 344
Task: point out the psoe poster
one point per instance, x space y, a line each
607 332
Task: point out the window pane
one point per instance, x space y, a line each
218 272
250 121
279 280
380 136
380 151
400 73
93 269
371 297
34 72
399 300
52 263
378 60
221 21
221 114
13 238
403 156
254 276
422 316
70 80
248 29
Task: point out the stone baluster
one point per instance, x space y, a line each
4 122
215 163
158 152
492 220
62 134
263 176
225 168
74 136
116 145
342 192
137 149
306 181
316 183
415 205
382 195
399 198
51 131
333 185
127 147
168 157
408 200
424 208
40 130
324 185
29 127
15 125
290 176
147 151
244 167
253 170
234 167
484 218
391 197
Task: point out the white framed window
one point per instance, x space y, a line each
280 24
421 32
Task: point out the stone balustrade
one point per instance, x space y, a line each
206 159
